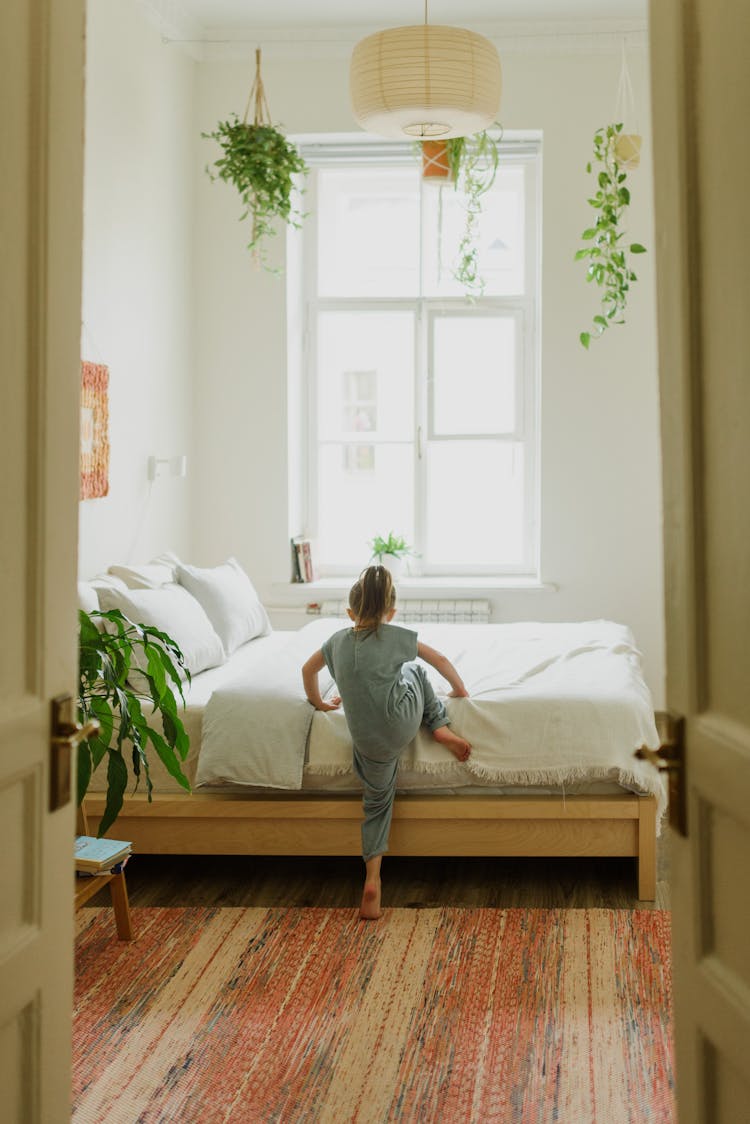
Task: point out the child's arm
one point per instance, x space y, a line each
442 664
310 672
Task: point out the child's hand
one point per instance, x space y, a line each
458 693
334 704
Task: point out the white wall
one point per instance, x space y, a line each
137 277
601 504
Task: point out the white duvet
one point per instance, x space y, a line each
550 704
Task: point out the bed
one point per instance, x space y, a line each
555 714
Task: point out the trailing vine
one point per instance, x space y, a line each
608 263
473 163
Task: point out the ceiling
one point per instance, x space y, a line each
211 15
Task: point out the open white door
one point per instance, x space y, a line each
41 92
701 95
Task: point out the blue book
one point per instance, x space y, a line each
92 854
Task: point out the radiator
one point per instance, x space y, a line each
464 610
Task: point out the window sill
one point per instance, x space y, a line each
446 586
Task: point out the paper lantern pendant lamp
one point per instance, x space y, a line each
425 81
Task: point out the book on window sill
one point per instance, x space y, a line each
296 568
305 566
94 855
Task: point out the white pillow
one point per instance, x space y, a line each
153 576
171 609
230 601
87 598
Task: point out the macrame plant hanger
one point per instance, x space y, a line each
628 144
261 113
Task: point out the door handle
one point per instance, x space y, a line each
65 734
76 735
669 758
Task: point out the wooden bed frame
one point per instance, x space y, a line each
477 826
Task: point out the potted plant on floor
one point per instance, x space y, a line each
391 552
113 651
262 164
608 265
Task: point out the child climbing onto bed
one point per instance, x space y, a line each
387 696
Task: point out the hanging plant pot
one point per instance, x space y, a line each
436 165
628 150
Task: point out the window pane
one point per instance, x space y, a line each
475 503
363 491
474 374
368 232
366 376
501 238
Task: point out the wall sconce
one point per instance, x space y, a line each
166 466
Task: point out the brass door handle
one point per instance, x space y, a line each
65 735
669 758
72 735
659 758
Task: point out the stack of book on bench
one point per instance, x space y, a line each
100 856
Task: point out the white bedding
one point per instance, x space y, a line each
554 708
551 705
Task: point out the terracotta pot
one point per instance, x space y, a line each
628 150
435 165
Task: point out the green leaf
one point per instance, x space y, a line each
102 711
589 234
582 254
585 339
637 248
168 758
117 779
83 771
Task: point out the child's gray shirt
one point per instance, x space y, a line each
382 709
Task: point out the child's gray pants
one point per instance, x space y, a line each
378 776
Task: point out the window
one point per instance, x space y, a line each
420 405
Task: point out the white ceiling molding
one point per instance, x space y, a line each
538 36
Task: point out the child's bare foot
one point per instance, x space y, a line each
370 907
459 747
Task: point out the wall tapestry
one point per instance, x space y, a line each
94 430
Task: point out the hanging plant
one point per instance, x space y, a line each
261 163
471 164
608 263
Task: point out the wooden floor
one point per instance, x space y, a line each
236 880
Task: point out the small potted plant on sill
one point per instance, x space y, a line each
392 553
262 164
108 657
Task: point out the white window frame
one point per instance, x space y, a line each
357 151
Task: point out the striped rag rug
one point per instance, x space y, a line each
446 1015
